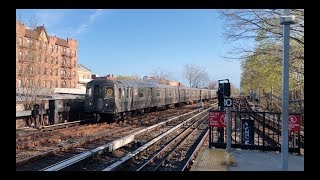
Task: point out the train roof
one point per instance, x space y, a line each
135 83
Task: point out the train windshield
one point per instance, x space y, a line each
89 92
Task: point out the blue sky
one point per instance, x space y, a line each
138 41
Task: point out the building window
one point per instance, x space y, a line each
30 43
20 41
20 70
39 57
45 46
63 84
57 60
57 48
69 74
50 71
64 51
39 44
39 70
20 55
45 71
50 83
45 58
56 72
44 83
31 70
51 60
70 52
74 74
31 82
31 57
63 61
74 53
28 70
63 73
19 83
51 48
75 64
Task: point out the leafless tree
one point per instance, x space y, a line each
234 90
213 84
196 75
31 87
263 27
260 25
161 75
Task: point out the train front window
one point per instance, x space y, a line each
89 92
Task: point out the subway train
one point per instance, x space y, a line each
119 99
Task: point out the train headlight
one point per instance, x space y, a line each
89 104
106 105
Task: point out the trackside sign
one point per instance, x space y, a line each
217 119
294 122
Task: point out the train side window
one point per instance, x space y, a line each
120 94
128 92
170 93
140 92
89 91
158 92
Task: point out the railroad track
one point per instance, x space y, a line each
105 158
28 146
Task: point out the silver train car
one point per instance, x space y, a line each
118 99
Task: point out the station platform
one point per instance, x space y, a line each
211 159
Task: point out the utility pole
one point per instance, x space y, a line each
285 20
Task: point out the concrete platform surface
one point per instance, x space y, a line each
251 160
211 159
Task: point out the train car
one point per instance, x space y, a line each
121 98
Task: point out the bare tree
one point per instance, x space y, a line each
162 76
31 58
196 75
213 84
234 90
262 26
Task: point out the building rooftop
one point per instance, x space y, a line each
83 68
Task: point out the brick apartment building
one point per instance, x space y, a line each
45 61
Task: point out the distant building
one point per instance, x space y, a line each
174 83
84 75
45 61
109 76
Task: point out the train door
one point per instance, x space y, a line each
96 97
150 99
129 98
